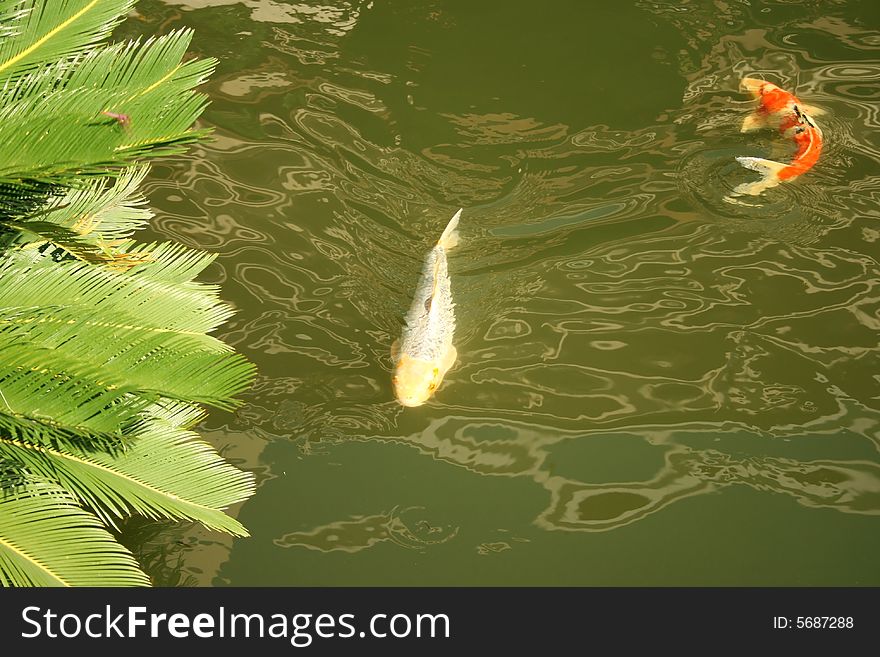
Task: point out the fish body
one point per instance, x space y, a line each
424 352
785 112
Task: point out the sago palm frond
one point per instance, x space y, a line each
47 539
169 262
105 357
35 33
125 357
92 218
163 473
30 280
95 114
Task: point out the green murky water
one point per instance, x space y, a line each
655 386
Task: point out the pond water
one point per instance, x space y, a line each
655 386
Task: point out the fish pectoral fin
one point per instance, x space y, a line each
753 121
449 359
395 350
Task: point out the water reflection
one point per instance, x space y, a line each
398 526
604 286
848 487
336 19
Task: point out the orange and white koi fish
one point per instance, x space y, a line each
424 352
785 112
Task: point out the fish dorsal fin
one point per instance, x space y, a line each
435 284
812 110
447 240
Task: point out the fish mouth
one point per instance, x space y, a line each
752 85
409 400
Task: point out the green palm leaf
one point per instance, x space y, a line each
48 396
28 280
170 263
35 34
94 114
90 219
164 473
126 358
47 539
105 357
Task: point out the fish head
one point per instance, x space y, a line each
415 380
756 87
773 101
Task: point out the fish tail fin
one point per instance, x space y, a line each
449 238
769 171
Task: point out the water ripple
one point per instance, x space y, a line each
604 285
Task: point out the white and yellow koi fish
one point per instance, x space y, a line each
424 352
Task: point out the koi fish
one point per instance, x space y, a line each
785 112
424 352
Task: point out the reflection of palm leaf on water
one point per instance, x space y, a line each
105 355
